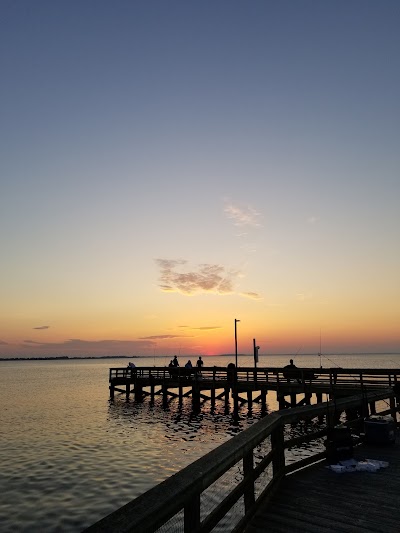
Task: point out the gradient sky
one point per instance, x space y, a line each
169 166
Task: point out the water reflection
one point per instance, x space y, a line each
180 421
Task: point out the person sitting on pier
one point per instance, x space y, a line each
188 370
175 361
290 371
131 368
301 375
171 367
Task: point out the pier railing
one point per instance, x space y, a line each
228 483
327 378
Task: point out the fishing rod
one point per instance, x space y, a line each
333 362
297 353
320 351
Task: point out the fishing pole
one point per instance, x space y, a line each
330 360
298 351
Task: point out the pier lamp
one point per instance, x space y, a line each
236 362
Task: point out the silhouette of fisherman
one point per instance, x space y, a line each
289 371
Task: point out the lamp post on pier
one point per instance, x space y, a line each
236 355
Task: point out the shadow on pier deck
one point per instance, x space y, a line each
317 500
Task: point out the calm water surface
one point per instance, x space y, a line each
68 456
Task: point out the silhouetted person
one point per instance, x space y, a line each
175 361
189 364
199 363
288 371
231 373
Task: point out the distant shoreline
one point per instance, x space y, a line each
68 357
83 357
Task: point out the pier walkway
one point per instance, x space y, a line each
316 500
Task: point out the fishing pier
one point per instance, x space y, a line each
246 385
268 479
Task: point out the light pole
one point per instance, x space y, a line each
236 321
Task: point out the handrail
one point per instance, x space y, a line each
325 376
183 490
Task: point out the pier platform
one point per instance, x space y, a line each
317 500
245 385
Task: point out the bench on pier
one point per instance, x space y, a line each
301 375
182 372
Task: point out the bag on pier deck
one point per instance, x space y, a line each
339 444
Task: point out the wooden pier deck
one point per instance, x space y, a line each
317 500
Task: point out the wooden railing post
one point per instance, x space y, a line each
393 411
192 515
248 472
277 445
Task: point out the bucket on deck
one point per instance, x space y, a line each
379 430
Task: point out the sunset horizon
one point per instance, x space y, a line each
167 171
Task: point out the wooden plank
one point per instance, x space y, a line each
317 500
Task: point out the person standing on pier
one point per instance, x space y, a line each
175 361
199 363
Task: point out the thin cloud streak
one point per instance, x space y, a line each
208 327
252 295
81 347
42 327
162 337
201 327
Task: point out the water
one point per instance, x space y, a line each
68 456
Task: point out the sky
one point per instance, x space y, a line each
167 167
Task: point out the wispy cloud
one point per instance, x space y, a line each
162 337
205 278
80 347
42 327
201 327
242 216
252 295
208 327
3 343
302 297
